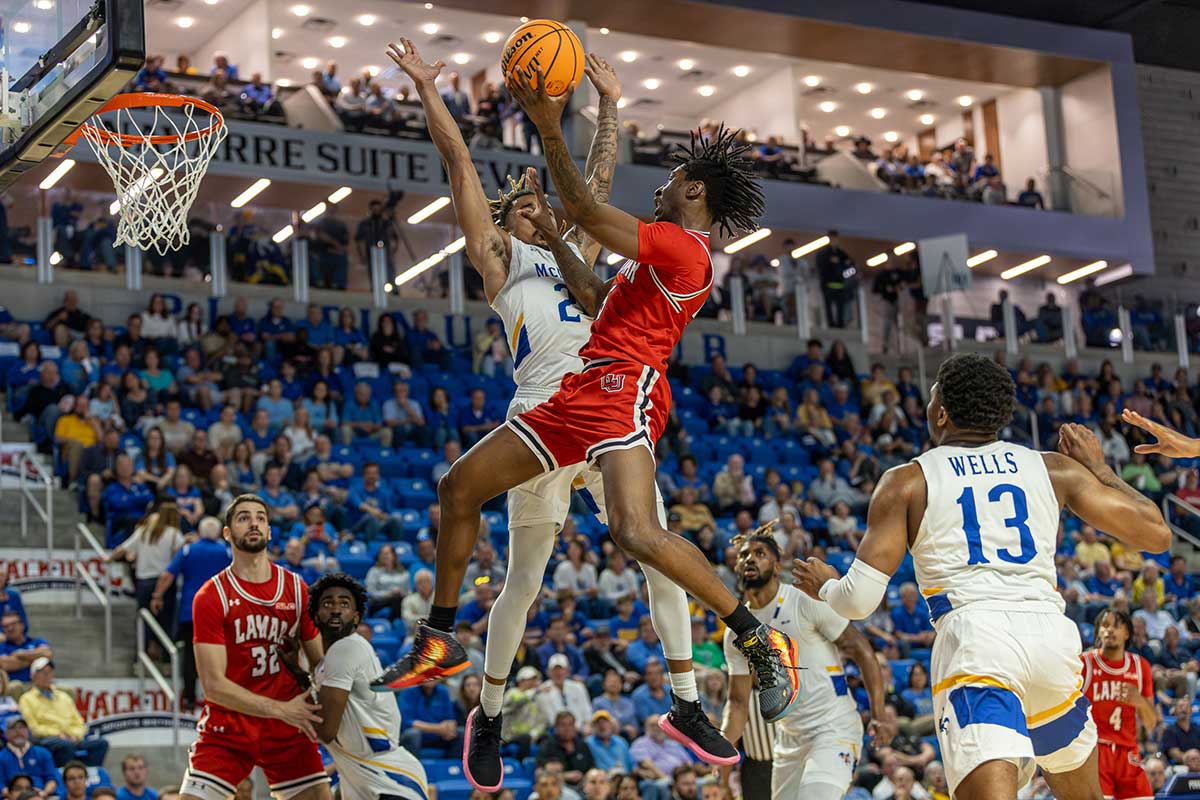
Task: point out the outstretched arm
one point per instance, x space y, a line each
602 157
856 647
1089 487
1170 443
609 226
488 246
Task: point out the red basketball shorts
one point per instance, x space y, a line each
232 745
610 405
1121 773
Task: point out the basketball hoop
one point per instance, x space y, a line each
156 175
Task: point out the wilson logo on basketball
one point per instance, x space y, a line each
612 383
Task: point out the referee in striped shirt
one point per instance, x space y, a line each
758 742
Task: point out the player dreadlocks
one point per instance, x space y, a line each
734 195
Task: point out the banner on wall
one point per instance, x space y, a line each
53 580
11 454
116 709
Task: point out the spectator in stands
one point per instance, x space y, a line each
645 648
278 408
1030 197
351 105
381 110
837 271
55 722
912 625
617 579
563 743
221 64
575 573
188 498
416 606
1177 585
477 419
41 402
428 721
21 757
556 643
69 313
155 465
330 251
405 417
152 546
370 507
198 458
732 488
24 374
151 77
327 81
457 101
124 501
388 346
609 750
74 432
257 97
275 329
1156 771
362 418
133 772
426 346
217 90
654 695
197 385
560 691
225 433
18 650
350 343
451 452
484 566
387 583
281 504
11 603
656 756
293 561
1157 620
830 488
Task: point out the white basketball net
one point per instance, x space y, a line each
156 183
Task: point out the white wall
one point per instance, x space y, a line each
246 40
766 107
949 128
1022 139
1091 132
981 146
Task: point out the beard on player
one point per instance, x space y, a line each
751 577
334 625
252 540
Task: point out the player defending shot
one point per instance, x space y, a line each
1121 690
516 244
816 745
256 713
611 413
360 727
980 517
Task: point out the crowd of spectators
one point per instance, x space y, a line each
160 422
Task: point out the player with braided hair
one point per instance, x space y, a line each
360 728
980 517
609 415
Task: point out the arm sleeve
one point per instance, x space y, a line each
208 618
857 593
733 656
828 622
671 249
338 666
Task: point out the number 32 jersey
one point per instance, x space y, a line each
544 326
255 623
989 532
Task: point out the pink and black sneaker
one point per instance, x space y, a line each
481 751
687 724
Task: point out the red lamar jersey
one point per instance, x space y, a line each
1116 722
253 621
654 298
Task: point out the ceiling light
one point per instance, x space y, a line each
283 234
431 28
628 56
828 106
651 83
387 287
337 41
436 258
54 177
876 260
928 119
491 37
965 100
685 63
863 88
301 11
878 113
367 20
812 81
891 136
211 2
340 194
622 103
183 22
707 91
524 19
456 245
614 258
907 247
1083 272
916 95
1115 274
55 258
276 33
284 82
252 191
981 258
460 58
604 31
774 262
43 5
842 130
429 6
310 63
314 212
371 70
429 210
1027 266
135 191
805 249
747 240
741 70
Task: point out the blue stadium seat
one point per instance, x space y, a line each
900 669
98 776
1087 633
839 560
414 492
354 558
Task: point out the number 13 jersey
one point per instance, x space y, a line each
990 530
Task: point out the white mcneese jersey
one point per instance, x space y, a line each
990 530
815 627
544 326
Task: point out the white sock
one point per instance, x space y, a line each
491 698
683 685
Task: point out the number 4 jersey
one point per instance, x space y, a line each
1104 684
545 328
989 532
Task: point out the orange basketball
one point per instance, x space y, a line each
548 45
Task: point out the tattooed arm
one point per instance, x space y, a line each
602 157
611 227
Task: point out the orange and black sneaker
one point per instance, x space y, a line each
434 654
774 659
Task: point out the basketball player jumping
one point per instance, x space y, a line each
255 712
980 517
816 745
1119 685
360 727
612 412
516 246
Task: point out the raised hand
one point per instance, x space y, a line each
810 575
1170 442
408 59
1078 442
542 110
602 76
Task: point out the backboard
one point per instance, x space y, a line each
60 60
